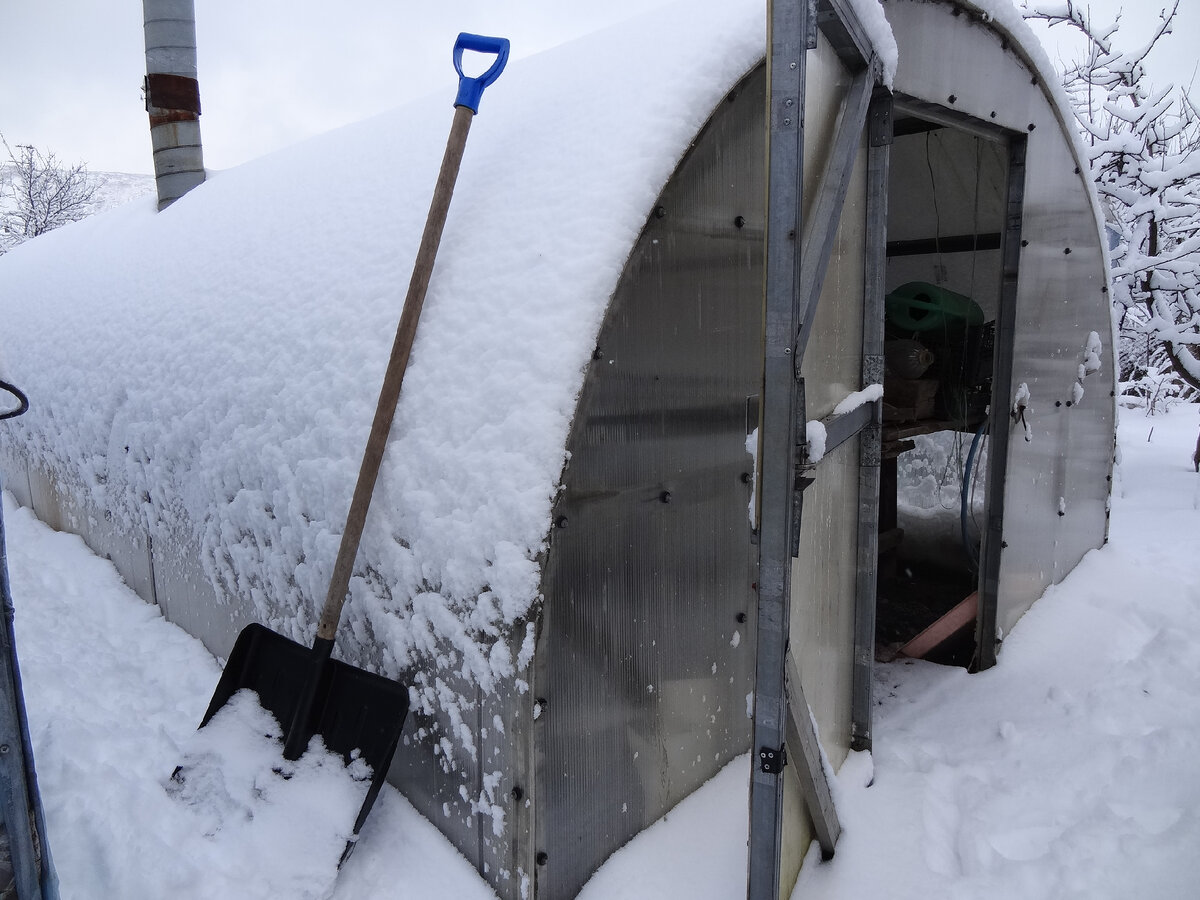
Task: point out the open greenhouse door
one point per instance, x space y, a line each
953 238
979 131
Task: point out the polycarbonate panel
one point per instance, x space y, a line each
34 486
832 364
966 170
824 576
645 656
15 475
947 183
1066 463
188 598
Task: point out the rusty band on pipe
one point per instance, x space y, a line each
175 97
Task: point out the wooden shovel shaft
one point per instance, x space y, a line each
389 393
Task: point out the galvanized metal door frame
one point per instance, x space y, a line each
793 285
782 406
986 643
21 814
879 144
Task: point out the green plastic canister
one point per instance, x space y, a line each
919 306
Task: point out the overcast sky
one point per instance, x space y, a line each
275 71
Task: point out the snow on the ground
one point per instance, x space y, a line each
695 851
237 797
1068 770
114 695
1065 772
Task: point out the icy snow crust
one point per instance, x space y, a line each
210 372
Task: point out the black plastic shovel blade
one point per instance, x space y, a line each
353 709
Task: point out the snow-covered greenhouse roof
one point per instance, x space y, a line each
215 366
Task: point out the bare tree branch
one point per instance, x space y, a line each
1145 159
38 194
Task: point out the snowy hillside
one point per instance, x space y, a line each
119 188
1065 772
113 189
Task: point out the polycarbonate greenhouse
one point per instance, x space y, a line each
697 298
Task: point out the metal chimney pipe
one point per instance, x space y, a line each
173 97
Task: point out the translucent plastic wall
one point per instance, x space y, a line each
645 654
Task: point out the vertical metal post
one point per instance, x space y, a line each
879 141
22 824
788 42
173 97
998 420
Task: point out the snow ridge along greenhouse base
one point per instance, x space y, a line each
641 511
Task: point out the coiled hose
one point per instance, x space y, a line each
964 512
22 401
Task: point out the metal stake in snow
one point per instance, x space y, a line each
26 868
355 711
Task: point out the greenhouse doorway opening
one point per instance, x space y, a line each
953 209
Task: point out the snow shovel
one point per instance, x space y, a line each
308 691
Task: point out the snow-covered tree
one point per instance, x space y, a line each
38 194
1144 145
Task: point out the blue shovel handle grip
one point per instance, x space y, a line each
470 90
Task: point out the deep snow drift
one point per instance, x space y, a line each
1067 771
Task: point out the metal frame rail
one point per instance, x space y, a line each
793 285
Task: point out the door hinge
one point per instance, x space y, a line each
772 761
